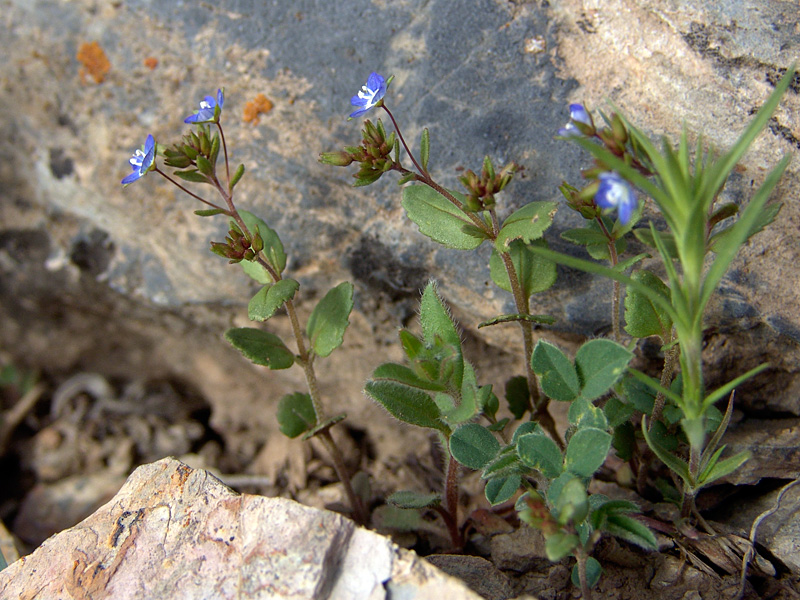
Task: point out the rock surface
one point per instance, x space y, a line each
175 532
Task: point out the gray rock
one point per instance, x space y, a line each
175 532
121 281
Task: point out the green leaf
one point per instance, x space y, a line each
618 412
209 212
631 530
406 376
518 396
3 563
558 377
624 440
643 318
273 248
438 218
506 463
261 347
502 489
677 465
330 318
270 298
526 427
409 499
582 413
526 224
434 317
466 407
559 545
191 175
763 218
296 414
237 176
425 148
473 445
409 405
572 504
587 451
394 518
585 236
600 364
593 573
539 452
535 274
716 470
644 235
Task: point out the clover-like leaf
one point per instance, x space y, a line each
587 451
261 347
330 318
502 489
600 363
473 445
539 452
557 375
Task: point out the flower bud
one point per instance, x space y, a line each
337 159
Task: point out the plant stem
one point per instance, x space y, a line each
615 296
581 557
423 172
359 512
670 360
450 513
225 152
192 194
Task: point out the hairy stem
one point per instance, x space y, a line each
450 513
615 296
190 193
357 506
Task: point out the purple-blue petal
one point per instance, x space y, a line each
578 113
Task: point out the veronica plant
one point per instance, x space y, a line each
251 243
696 250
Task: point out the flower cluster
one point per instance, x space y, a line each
237 246
481 190
607 191
373 155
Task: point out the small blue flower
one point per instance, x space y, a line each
369 96
577 114
142 161
209 110
615 192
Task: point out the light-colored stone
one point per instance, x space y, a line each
174 532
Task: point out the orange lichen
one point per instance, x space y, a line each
95 62
260 105
151 62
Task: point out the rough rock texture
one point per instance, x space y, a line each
120 281
175 532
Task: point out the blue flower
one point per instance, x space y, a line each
209 110
142 161
577 114
616 193
370 95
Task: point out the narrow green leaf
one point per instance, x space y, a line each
527 224
534 273
438 218
270 298
631 530
466 407
209 212
406 376
558 377
677 465
560 545
591 267
296 414
600 364
407 404
237 176
539 452
505 464
409 499
330 318
655 385
191 175
204 166
261 347
643 318
544 319
502 489
473 445
584 236
644 235
717 470
765 217
394 518
425 148
587 451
